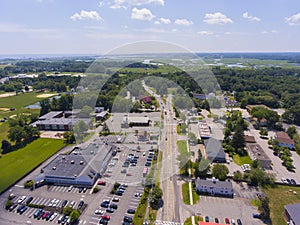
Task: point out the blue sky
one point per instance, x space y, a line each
96 27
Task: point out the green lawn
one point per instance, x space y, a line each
186 194
182 147
20 100
17 163
188 221
240 160
279 197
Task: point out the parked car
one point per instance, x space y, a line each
113 206
64 203
49 215
256 216
45 215
103 222
23 209
227 221
131 211
110 210
115 199
127 219
293 182
12 207
206 219
29 200
239 222
216 220
99 212
53 216
106 217
104 205
22 199
80 204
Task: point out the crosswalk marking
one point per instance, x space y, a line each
158 222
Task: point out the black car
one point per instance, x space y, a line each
148 164
12 207
127 219
80 204
125 223
113 206
110 210
49 215
216 220
206 219
103 221
64 203
131 211
104 205
80 189
239 222
119 193
293 182
23 209
29 200
20 208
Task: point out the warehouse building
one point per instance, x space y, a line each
81 168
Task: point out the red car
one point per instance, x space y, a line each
227 221
101 182
45 215
106 217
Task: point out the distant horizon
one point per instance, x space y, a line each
50 55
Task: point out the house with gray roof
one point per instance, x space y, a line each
291 214
214 187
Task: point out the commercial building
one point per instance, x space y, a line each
214 187
291 214
79 168
142 121
284 140
101 116
255 151
59 121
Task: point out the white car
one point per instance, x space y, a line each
53 217
99 212
22 199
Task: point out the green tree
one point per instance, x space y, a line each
69 137
85 112
67 210
220 171
264 208
255 164
6 146
291 131
202 168
16 134
74 215
237 175
238 139
155 197
263 131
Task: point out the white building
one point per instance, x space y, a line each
214 187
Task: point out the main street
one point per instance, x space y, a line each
168 177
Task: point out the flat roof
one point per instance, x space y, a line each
61 166
293 210
50 115
214 183
135 119
61 121
257 152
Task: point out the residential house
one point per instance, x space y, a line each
284 140
291 214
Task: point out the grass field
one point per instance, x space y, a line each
240 160
279 197
186 194
15 164
182 147
18 102
188 221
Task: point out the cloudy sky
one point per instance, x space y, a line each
96 27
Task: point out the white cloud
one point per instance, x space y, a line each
250 18
86 15
216 18
184 22
205 32
293 20
227 33
163 21
141 14
123 3
269 32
